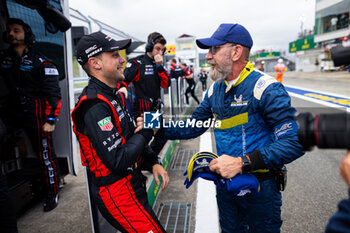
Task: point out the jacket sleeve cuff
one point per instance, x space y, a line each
146 133
51 120
257 160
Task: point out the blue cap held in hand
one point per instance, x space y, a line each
227 33
198 167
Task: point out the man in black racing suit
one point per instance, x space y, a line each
112 148
34 102
148 75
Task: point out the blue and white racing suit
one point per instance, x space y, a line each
256 119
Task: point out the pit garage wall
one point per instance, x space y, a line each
306 60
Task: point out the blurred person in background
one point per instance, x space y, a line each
280 69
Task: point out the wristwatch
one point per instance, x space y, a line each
51 120
247 165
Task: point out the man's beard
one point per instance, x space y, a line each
220 72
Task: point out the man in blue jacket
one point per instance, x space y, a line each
340 221
256 133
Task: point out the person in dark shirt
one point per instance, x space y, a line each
113 149
35 99
176 71
340 221
148 75
203 76
191 84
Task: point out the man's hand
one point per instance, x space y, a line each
226 166
345 169
157 171
48 127
124 91
158 59
139 123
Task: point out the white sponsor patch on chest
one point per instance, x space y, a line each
51 71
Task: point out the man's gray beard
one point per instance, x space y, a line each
220 73
217 76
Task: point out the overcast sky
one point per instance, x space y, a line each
272 23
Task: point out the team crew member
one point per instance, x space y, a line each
191 84
257 131
176 71
35 98
8 223
112 148
203 76
280 69
148 75
339 222
261 66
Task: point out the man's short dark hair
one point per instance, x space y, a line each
151 38
29 37
173 60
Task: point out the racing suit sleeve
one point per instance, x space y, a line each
149 158
277 112
164 76
131 72
100 127
202 113
51 90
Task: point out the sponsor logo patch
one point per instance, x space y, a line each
51 71
94 52
149 71
283 129
261 83
105 124
239 101
90 49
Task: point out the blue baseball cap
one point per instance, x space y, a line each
227 33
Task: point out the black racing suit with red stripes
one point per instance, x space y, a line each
148 78
114 156
34 98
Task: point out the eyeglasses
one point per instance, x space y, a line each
214 49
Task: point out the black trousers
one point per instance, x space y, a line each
43 146
8 222
204 85
190 89
41 141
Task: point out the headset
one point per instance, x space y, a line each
29 37
150 44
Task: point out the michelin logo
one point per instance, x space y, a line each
151 120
